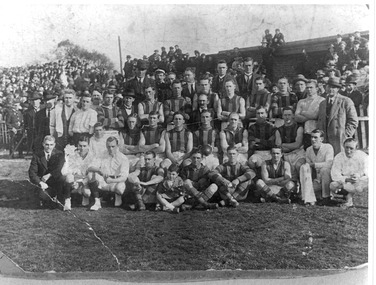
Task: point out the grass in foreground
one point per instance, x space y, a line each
253 236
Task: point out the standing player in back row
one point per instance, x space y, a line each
283 98
230 103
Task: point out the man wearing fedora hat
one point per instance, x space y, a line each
337 116
128 107
42 118
140 81
29 118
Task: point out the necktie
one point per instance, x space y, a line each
246 78
329 106
48 113
48 157
192 90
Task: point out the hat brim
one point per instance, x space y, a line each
299 79
335 85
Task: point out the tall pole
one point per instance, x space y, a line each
121 60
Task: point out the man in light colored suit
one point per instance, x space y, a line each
337 116
315 173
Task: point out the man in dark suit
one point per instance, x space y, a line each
42 119
337 116
246 81
218 85
190 88
29 119
45 170
140 81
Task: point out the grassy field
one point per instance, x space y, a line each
253 236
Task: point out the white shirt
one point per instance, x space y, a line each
344 167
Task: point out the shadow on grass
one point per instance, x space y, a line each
18 195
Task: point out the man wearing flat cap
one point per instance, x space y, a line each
337 116
163 90
337 43
351 92
299 83
128 68
343 57
354 54
140 81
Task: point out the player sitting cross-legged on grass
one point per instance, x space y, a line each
197 183
75 172
144 181
170 193
233 179
276 184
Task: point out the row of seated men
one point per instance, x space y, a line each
172 175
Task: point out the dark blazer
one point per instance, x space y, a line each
40 167
247 89
219 87
139 88
186 92
341 122
42 127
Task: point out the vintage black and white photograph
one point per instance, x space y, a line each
206 143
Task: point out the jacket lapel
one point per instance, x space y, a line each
44 161
334 109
